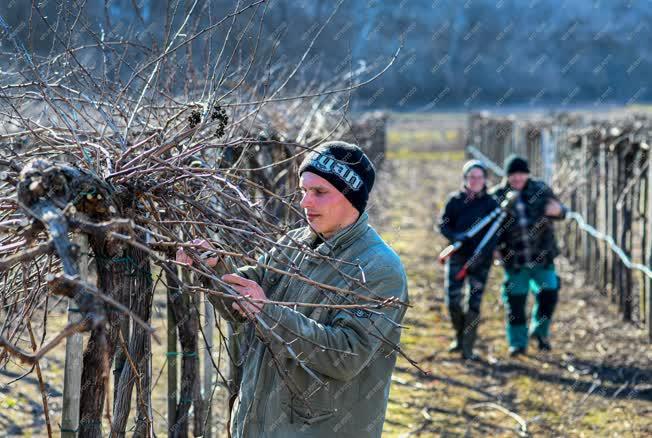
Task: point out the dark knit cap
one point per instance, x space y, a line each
346 167
514 164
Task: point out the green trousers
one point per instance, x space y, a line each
544 283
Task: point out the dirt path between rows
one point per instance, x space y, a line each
597 381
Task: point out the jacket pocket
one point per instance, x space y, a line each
315 419
299 413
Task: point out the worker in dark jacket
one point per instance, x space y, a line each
528 249
463 210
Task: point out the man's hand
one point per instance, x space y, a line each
555 208
246 288
183 257
498 258
510 200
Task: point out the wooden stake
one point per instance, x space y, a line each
73 364
648 255
173 293
209 323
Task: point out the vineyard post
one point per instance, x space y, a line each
172 295
648 226
209 322
73 362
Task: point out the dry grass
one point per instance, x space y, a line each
426 132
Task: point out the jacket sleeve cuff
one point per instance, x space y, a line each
272 314
564 211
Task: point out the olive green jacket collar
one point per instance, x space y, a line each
341 240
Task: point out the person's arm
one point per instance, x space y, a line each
554 208
352 338
446 221
254 273
224 305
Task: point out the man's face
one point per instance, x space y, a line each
475 180
517 180
326 208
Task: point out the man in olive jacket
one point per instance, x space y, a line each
350 350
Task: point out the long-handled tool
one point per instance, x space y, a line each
505 207
475 229
478 250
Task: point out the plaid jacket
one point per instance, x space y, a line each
527 237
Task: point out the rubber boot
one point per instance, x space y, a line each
471 322
457 318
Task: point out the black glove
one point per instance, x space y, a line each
460 237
